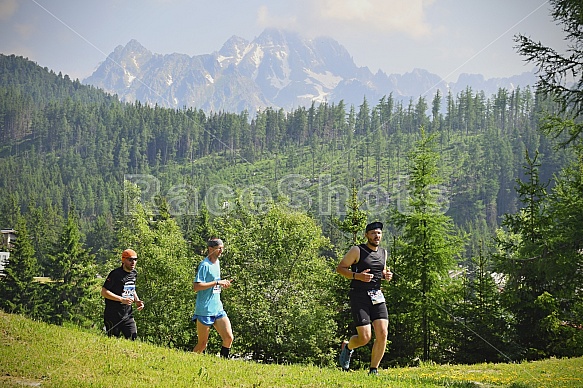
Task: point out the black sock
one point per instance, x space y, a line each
225 352
371 370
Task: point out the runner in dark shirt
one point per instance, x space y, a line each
119 291
366 266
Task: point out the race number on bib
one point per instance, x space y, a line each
376 296
128 291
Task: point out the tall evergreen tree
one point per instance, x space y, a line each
425 253
74 290
355 219
522 253
563 275
483 325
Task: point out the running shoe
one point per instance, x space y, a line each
345 355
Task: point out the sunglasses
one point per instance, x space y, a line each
131 258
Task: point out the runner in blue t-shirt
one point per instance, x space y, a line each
209 308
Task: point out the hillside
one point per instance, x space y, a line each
64 144
37 354
72 156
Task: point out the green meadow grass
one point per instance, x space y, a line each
37 354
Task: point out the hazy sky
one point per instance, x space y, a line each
446 37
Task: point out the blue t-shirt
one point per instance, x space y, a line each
208 302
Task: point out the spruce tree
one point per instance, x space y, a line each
562 267
522 252
73 275
355 219
425 255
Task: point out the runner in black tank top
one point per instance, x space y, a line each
365 265
375 261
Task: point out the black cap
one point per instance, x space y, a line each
374 225
214 242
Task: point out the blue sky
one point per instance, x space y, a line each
446 37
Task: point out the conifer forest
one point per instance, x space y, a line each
481 197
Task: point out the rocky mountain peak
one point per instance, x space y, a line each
279 69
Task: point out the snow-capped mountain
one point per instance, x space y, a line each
278 69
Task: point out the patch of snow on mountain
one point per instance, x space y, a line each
241 55
280 83
225 61
222 58
130 78
281 55
169 80
209 78
327 79
320 97
257 56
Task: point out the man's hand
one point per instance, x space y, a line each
364 276
225 283
387 274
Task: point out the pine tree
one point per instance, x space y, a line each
563 275
482 326
202 231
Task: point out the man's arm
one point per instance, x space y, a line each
116 298
199 286
387 274
350 258
139 302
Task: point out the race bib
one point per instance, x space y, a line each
217 289
376 296
128 291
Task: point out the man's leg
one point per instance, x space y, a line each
202 332
381 331
129 329
223 327
112 328
362 337
356 341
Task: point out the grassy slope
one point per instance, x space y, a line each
37 354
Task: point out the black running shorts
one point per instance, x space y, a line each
115 327
362 309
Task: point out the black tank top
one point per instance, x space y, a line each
373 260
